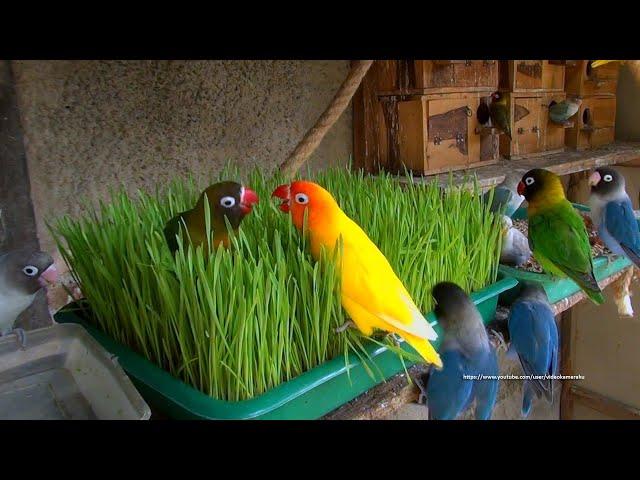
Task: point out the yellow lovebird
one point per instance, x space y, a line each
372 295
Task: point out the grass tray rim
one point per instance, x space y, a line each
204 406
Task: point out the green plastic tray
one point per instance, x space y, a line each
306 397
558 288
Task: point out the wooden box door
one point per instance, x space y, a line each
552 76
449 143
596 122
526 125
411 134
476 74
527 74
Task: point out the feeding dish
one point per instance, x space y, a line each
64 374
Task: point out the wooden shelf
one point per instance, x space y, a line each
563 163
389 397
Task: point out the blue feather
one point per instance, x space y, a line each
619 223
534 335
449 394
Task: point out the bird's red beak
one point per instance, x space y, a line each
594 179
521 188
50 275
248 199
283 193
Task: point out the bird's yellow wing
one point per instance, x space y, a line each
370 285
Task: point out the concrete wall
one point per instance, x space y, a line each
89 125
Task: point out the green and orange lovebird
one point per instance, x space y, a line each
229 200
557 235
372 294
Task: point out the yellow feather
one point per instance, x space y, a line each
372 295
599 63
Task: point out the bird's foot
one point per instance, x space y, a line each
422 397
498 340
21 336
394 338
344 326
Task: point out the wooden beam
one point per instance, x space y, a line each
382 400
605 405
564 163
567 303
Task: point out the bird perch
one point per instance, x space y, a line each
338 105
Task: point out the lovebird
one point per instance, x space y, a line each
612 214
506 199
561 112
23 273
534 337
465 350
515 246
372 295
557 235
500 113
229 200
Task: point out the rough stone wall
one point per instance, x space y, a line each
91 125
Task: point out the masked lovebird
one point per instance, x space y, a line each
466 350
612 214
561 112
534 337
500 113
515 247
23 273
372 294
506 199
228 200
557 235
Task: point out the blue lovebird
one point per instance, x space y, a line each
612 214
465 351
506 198
534 337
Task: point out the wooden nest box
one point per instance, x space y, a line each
425 116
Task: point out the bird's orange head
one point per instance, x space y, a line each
302 196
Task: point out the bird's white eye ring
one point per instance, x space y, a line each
227 202
607 178
302 199
529 181
30 271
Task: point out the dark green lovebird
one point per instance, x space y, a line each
499 111
229 200
557 234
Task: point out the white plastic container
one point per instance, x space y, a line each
64 374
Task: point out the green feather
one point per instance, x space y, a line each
560 243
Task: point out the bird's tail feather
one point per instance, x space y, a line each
589 284
424 348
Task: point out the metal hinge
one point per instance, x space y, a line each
437 140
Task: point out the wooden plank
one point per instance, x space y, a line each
563 163
608 406
382 400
